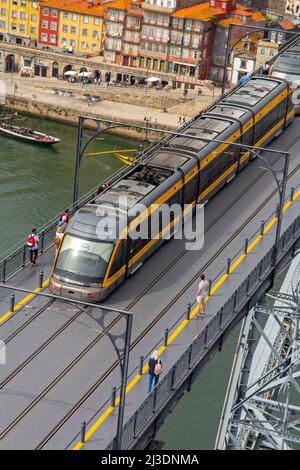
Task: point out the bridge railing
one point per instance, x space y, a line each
158 398
18 257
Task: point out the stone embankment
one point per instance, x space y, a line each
156 110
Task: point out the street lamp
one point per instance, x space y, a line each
281 181
126 337
251 30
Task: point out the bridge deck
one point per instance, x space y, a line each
223 236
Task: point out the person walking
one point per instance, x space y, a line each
244 79
179 120
33 243
201 295
58 238
65 214
155 369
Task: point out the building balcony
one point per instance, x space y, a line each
138 12
131 39
159 9
153 54
183 60
154 39
113 34
115 19
130 52
190 45
133 27
156 23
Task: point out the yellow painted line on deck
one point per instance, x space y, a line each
22 302
183 324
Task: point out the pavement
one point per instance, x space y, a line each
41 90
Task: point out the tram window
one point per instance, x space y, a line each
265 124
247 140
118 260
190 190
281 108
142 240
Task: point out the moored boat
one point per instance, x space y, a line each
8 116
27 135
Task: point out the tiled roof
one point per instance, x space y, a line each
257 16
199 12
225 23
94 8
287 24
242 12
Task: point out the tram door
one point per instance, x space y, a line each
117 269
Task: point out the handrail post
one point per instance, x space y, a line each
113 397
188 311
141 365
246 246
166 337
12 302
228 266
24 256
41 279
292 194
82 432
4 272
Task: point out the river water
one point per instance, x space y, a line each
37 183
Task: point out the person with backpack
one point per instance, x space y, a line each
32 244
58 238
155 370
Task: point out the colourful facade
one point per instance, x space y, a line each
20 19
80 24
48 26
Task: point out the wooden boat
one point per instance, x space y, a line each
8 116
27 135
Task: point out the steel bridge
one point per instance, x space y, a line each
60 385
261 409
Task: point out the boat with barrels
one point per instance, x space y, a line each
26 134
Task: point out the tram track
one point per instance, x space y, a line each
116 320
48 437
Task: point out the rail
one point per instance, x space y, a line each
156 400
181 369
12 261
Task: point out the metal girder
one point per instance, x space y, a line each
264 412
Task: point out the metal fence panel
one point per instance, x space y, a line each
213 327
266 261
241 292
164 388
254 276
128 432
145 412
181 368
198 347
228 309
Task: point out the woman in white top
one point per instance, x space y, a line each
201 295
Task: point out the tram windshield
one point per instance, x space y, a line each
83 260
